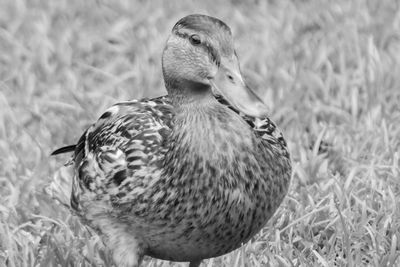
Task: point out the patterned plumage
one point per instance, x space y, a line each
187 176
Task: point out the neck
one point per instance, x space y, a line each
189 93
207 128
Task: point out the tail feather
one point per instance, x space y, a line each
65 149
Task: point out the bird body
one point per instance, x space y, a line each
187 176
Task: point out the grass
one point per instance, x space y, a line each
329 70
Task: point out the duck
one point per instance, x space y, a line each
187 176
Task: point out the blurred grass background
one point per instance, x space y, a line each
329 70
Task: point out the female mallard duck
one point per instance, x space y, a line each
190 175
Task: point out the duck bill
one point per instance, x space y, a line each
230 84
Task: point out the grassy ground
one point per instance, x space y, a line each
329 70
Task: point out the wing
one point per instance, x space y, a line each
264 128
122 148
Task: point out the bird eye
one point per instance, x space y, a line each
195 39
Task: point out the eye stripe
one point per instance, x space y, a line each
181 34
212 52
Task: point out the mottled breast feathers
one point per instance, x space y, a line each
129 142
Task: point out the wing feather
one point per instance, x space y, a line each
112 155
264 128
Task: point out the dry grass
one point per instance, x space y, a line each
329 70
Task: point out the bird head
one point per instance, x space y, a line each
199 58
